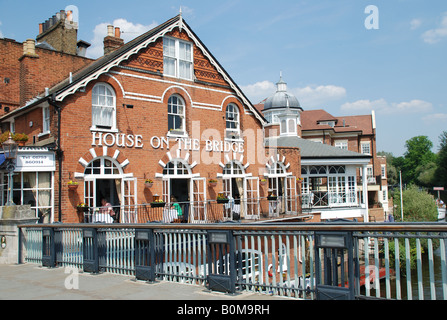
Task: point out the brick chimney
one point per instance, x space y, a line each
29 71
113 39
60 32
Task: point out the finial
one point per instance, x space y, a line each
281 85
181 20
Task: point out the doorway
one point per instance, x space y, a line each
107 189
179 189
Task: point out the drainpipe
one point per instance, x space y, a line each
59 152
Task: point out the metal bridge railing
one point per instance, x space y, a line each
389 260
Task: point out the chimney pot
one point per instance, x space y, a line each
110 30
29 47
40 28
117 32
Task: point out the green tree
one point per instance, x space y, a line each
418 154
426 174
441 170
419 206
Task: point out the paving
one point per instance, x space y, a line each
33 282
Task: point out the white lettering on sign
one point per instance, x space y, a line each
136 141
120 139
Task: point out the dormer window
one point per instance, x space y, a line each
328 123
177 58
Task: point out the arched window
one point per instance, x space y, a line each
277 168
103 107
233 168
232 122
102 166
176 167
176 115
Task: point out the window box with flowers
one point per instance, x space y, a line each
148 183
222 198
72 185
271 196
20 138
157 202
82 207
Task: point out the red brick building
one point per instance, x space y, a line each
158 108
358 134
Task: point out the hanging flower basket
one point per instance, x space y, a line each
212 183
72 185
263 182
148 183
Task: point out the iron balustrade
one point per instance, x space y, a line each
390 261
209 211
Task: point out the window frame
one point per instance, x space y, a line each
365 144
95 126
46 120
177 58
237 123
342 144
173 131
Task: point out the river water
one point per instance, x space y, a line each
414 281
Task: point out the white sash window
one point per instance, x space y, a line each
232 122
177 58
103 107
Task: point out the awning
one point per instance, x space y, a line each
2 160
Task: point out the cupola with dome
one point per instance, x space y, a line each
283 109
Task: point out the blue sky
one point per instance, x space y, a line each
328 57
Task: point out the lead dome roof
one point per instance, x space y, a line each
282 99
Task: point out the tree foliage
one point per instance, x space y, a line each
441 169
418 205
417 156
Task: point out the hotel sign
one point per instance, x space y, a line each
136 141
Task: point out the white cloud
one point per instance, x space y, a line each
384 107
435 117
415 23
309 96
435 35
129 31
259 91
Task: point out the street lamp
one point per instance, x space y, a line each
10 148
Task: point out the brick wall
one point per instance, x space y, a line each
148 91
30 75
